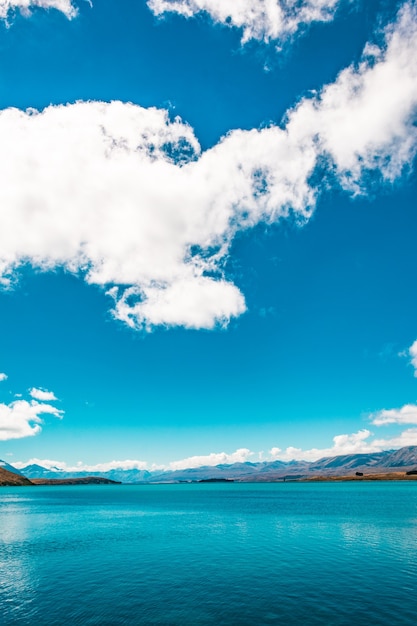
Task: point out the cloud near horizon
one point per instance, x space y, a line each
83 467
361 442
92 201
407 414
355 443
215 458
262 20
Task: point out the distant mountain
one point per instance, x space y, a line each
349 461
117 475
37 471
264 471
404 457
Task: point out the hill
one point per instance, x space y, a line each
11 479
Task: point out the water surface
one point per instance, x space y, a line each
227 554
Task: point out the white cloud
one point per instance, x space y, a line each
215 458
407 414
3 376
123 196
22 419
406 438
239 456
8 7
83 467
111 465
361 442
264 20
355 443
42 394
365 120
413 353
47 463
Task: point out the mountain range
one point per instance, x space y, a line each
402 460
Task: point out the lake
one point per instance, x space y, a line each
225 554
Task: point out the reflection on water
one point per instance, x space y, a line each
209 554
17 580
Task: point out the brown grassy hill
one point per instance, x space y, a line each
9 479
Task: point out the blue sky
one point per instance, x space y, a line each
220 265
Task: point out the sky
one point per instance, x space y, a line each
207 230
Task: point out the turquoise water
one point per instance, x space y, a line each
234 554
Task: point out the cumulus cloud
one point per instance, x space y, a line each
215 458
124 197
366 119
9 7
355 443
264 20
413 353
23 419
362 441
3 376
407 414
42 394
405 438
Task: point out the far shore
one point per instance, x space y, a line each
365 477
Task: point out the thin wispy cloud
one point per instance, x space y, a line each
262 20
92 199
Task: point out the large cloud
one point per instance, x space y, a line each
123 195
8 7
263 20
23 419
